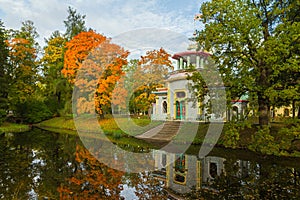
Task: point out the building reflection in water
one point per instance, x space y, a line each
182 173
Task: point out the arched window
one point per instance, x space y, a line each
180 169
235 112
165 107
180 94
286 112
235 109
213 169
164 161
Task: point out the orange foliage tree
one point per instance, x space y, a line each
110 59
24 69
151 72
97 65
77 51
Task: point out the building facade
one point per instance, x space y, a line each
176 102
182 172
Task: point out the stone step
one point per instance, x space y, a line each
163 132
168 131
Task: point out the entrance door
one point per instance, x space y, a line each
180 110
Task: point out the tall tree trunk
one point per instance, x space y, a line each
263 111
58 95
294 109
263 100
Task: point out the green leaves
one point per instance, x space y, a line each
255 45
4 76
74 24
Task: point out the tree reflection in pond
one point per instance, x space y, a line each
46 165
262 181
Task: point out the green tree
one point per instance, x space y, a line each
74 24
57 88
129 71
256 47
24 76
4 81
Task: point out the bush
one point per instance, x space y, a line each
66 111
283 142
32 111
264 142
2 116
231 137
117 135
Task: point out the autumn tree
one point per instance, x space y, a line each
77 51
99 76
57 87
255 47
23 50
149 75
100 64
4 76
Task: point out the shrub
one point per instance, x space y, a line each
32 111
117 135
231 136
264 142
2 116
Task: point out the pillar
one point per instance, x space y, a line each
197 61
181 63
188 61
202 63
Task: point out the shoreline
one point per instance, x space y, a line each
8 127
112 130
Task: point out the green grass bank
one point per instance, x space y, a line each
281 139
8 127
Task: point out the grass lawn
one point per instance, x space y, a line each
122 129
89 127
108 125
7 127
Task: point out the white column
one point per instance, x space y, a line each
181 63
188 61
197 61
202 63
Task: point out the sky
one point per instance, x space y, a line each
108 17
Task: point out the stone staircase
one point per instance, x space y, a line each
162 133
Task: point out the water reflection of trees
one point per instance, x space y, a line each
92 179
47 165
262 181
32 163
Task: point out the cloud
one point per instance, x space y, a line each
109 17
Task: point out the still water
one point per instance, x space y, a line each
45 165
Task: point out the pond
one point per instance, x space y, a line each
41 164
